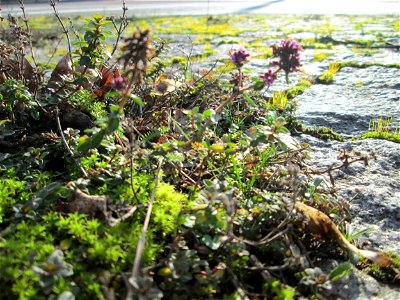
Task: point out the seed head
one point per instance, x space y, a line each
136 53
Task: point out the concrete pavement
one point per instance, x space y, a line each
205 7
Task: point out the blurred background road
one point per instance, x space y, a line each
205 7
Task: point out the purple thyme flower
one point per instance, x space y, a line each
268 77
288 52
239 56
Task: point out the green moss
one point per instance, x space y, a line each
90 245
197 25
168 204
354 64
381 129
200 39
299 89
259 48
228 42
178 60
323 133
363 43
208 50
103 247
10 191
396 25
328 75
369 52
312 43
320 56
85 100
393 137
387 274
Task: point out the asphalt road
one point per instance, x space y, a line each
205 7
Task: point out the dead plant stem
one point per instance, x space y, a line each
28 29
142 241
66 144
65 30
122 27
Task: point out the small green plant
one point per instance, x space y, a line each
328 76
382 129
16 101
280 100
351 234
10 190
396 25
324 133
208 50
279 290
178 60
303 84
91 51
380 125
86 101
320 55
51 271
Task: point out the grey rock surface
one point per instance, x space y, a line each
356 97
373 191
359 286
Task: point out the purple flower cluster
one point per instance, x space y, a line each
268 77
239 56
288 52
119 83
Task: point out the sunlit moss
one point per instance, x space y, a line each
381 129
393 137
396 25
303 84
320 55
328 75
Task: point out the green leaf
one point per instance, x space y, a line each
248 99
35 114
101 36
113 122
317 181
208 113
97 138
195 110
67 295
340 271
86 61
210 242
190 221
353 235
286 293
97 17
43 193
137 100
258 86
85 143
217 148
48 189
